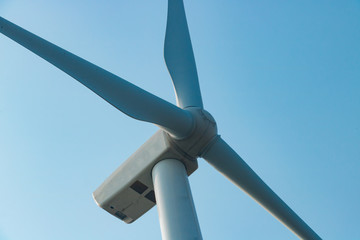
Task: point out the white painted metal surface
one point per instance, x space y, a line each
178 219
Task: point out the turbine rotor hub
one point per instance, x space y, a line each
203 132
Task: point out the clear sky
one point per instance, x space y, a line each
282 79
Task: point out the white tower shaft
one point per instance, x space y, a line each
178 219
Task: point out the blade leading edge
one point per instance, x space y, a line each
229 163
179 57
128 98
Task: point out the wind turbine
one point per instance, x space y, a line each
186 132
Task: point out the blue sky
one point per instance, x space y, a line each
282 79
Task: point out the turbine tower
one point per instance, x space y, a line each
157 173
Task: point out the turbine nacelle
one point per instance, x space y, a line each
128 192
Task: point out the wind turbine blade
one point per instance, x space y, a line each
221 156
128 98
179 57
